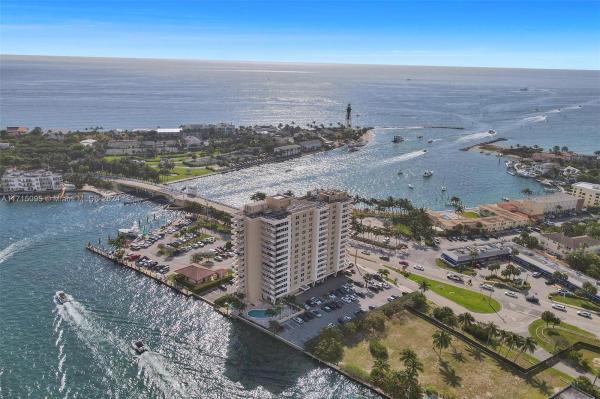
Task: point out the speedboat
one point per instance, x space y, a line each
410 186
443 188
139 347
428 173
419 136
429 141
61 297
492 132
400 172
505 199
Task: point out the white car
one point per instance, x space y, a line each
583 313
487 287
560 307
419 267
511 294
298 320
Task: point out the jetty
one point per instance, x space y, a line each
176 197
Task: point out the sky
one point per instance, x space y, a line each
523 34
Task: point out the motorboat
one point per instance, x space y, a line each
288 170
419 136
134 231
410 186
400 173
443 188
398 139
428 173
492 132
505 199
139 347
61 297
429 141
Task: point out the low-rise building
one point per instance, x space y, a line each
88 142
15 131
287 151
123 147
560 244
286 243
30 182
556 203
491 218
4 146
311 145
196 274
464 256
589 193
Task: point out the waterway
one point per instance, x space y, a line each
82 349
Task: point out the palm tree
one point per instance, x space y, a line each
512 340
465 320
411 362
494 267
423 286
491 330
441 340
527 345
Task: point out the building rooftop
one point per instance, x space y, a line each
589 186
553 197
572 242
196 272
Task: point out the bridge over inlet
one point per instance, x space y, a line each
177 197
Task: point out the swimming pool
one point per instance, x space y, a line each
258 313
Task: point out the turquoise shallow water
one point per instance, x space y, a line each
82 349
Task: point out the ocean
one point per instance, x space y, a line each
82 349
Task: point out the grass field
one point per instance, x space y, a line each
470 214
470 300
580 302
563 334
460 372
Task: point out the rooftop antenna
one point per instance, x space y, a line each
349 116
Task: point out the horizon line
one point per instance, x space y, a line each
290 62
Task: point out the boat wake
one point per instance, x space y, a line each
14 248
403 157
102 344
535 119
475 136
153 368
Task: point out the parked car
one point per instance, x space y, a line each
511 294
298 320
419 267
487 287
536 275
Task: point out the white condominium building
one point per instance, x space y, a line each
589 192
17 181
285 243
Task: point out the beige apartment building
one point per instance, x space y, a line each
588 192
537 207
286 243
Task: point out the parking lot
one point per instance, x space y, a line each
187 246
342 297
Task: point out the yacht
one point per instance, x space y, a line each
61 297
139 347
398 139
505 199
428 173
410 186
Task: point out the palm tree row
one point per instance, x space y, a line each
392 204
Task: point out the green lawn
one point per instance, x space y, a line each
181 172
564 334
582 303
403 229
470 214
470 300
459 371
